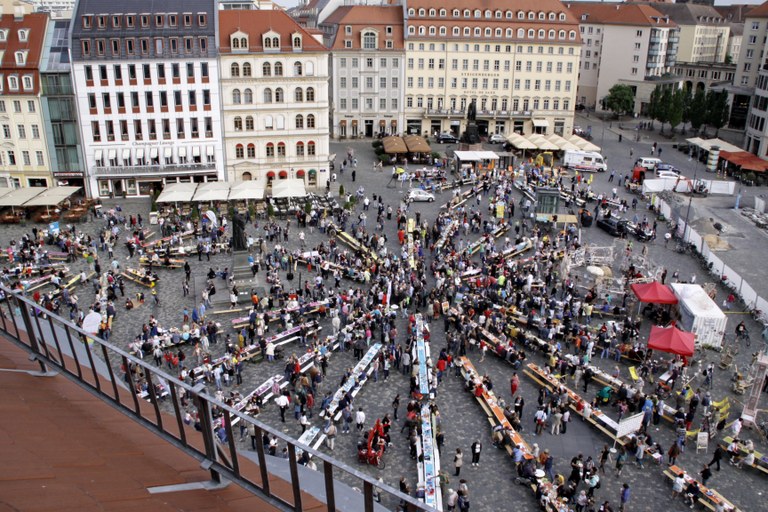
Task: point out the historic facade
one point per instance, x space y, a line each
24 158
274 86
518 62
147 88
367 70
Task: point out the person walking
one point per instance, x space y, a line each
705 474
624 497
458 461
477 447
717 457
604 457
514 382
360 419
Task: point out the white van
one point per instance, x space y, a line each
587 161
649 163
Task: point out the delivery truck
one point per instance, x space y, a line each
585 161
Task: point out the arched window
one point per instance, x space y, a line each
561 34
281 149
467 31
488 14
309 69
279 97
432 13
456 13
508 32
497 32
239 152
551 34
456 31
531 15
422 30
266 69
422 12
278 69
432 31
236 96
443 31
299 121
246 176
297 42
238 123
267 42
243 43
246 69
279 123
520 15
310 94
249 123
488 32
542 16
251 151
235 69
268 123
443 13
270 149
552 16
562 16
311 148
297 69
235 43
411 12
299 148
310 120
521 33
411 30
467 13
248 96
369 40
531 33
298 95
572 35
478 14
275 42
478 31
541 33
267 95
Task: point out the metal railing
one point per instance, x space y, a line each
56 343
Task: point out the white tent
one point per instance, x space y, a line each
562 144
475 156
246 190
177 193
52 196
4 191
699 314
520 142
542 143
212 191
708 144
582 144
20 196
288 188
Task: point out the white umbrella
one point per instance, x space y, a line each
91 322
212 217
595 271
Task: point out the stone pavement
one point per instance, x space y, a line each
490 485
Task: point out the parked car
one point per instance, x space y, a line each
613 225
667 168
447 138
497 138
420 195
648 162
580 106
668 174
683 146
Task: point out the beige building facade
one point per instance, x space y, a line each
518 62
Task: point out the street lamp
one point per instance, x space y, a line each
686 234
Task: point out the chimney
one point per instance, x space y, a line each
18 13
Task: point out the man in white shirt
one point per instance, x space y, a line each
360 419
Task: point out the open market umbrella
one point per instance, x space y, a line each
672 340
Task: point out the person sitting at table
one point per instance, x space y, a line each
749 460
692 493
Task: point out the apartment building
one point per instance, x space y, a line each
24 159
274 86
752 73
630 43
367 70
518 62
704 32
146 78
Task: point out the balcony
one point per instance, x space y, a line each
150 170
495 114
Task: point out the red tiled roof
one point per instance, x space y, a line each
255 23
360 17
619 14
761 11
36 23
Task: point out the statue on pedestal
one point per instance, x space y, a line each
239 242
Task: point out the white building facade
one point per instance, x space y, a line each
147 92
274 83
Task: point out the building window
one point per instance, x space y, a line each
236 96
239 151
247 97
249 123
279 97
299 121
278 69
270 149
235 69
246 69
369 40
267 95
299 95
299 149
310 148
238 124
310 121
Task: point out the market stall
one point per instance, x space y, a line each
672 340
699 314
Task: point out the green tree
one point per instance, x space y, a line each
717 110
687 99
676 108
697 110
663 110
620 99
653 104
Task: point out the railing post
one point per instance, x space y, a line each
206 427
33 343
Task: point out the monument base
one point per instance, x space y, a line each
471 135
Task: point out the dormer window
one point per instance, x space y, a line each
3 35
23 35
271 40
144 20
173 20
21 57
202 20
115 21
160 20
297 42
187 20
13 83
130 21
348 29
101 22
88 21
239 41
369 40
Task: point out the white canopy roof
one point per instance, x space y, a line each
582 144
562 144
520 142
213 191
20 196
246 190
288 188
4 191
540 123
475 156
542 143
707 144
177 193
52 196
695 299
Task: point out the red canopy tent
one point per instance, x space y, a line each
655 293
672 340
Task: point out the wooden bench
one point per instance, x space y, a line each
727 440
708 496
